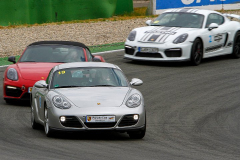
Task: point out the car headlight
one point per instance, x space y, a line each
12 74
60 102
181 38
132 35
134 101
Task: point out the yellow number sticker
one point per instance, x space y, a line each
61 72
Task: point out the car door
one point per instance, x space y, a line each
214 39
41 97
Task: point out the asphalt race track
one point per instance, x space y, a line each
193 113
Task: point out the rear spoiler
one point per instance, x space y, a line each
231 16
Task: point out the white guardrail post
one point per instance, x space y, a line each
159 6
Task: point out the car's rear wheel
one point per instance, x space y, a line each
236 46
138 134
196 52
47 129
34 124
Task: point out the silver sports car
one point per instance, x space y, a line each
84 96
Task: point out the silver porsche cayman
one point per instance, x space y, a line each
88 96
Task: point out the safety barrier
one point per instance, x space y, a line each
43 11
158 6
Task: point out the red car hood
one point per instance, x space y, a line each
35 71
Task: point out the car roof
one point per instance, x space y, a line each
192 10
59 42
86 64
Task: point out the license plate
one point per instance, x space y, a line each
29 89
100 119
148 49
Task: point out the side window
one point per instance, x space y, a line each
89 55
214 18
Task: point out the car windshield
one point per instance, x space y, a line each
53 53
88 77
179 19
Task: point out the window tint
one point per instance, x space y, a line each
179 19
53 53
214 18
88 77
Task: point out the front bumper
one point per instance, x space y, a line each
76 119
166 52
17 90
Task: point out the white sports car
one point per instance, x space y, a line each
185 35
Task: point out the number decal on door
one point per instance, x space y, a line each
210 39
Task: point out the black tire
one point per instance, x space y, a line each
138 134
196 52
236 46
8 101
34 124
47 129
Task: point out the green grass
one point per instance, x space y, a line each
4 61
106 47
93 49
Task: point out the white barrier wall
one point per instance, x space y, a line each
161 5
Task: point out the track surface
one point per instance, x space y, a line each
192 114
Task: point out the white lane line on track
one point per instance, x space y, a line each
97 53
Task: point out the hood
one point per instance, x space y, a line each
159 34
86 97
35 71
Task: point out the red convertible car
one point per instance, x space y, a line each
35 63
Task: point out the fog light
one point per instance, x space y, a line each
135 117
62 119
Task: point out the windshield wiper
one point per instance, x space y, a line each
28 61
66 86
103 86
175 26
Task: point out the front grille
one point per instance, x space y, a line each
173 53
100 125
127 121
71 121
151 55
129 50
26 96
13 92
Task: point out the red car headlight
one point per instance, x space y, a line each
12 74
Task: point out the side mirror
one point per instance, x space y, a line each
41 84
136 82
96 59
149 22
12 59
212 26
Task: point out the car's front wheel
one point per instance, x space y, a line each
236 46
196 52
47 129
139 134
